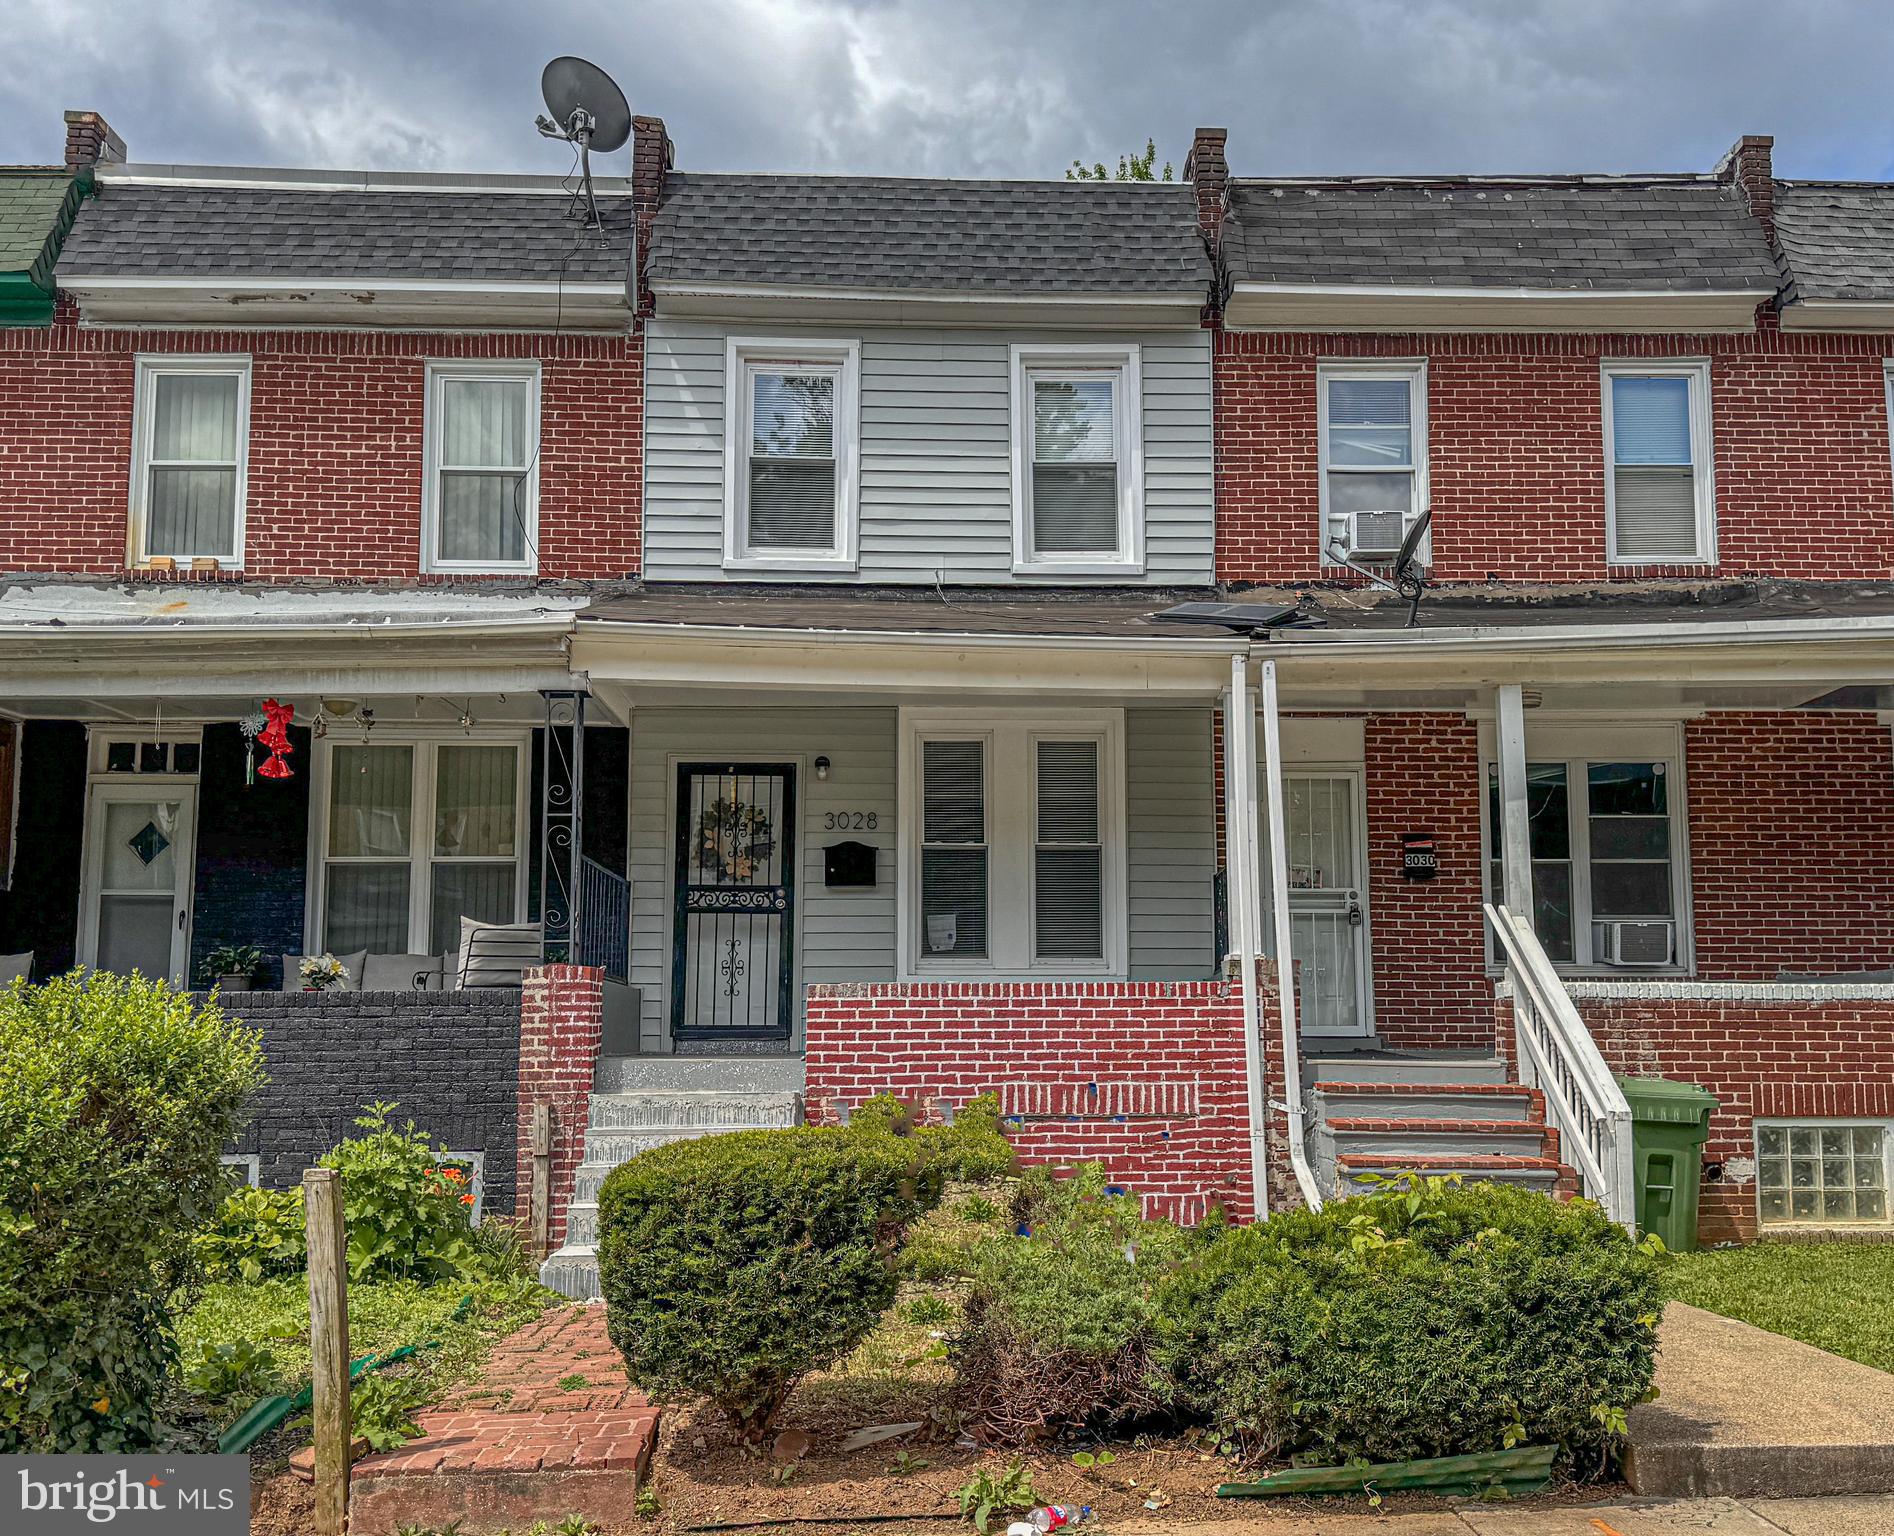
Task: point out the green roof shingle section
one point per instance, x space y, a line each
36 210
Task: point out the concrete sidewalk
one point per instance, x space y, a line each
1868 1516
1748 1414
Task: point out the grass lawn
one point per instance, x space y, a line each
1836 1296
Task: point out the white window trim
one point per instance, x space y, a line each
1128 426
476 1181
1824 1122
147 369
740 355
1411 370
1557 742
1702 453
250 1162
1887 380
421 840
1011 809
433 418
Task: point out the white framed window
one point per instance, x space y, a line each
790 463
1610 864
1371 434
1078 461
473 1168
411 834
190 458
1824 1172
1012 854
1660 490
480 469
246 1168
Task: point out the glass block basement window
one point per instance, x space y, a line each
1822 1173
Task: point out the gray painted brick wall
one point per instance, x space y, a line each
450 1059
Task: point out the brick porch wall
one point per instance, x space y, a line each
562 1011
1768 1052
334 489
1145 1077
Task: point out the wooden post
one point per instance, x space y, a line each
329 1345
542 1180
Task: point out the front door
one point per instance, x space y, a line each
733 915
136 911
1327 914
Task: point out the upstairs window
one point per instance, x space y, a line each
190 447
481 484
1078 504
789 461
1660 504
1372 435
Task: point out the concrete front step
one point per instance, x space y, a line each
572 1272
1402 1067
1390 1138
1540 1173
719 1075
627 1110
1431 1101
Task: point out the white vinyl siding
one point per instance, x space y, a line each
789 434
190 455
1660 496
934 455
480 480
1171 844
1371 431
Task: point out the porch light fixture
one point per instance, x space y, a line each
821 767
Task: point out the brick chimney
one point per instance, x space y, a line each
1748 166
1206 168
650 160
90 141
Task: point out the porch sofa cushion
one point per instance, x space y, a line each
402 973
496 955
16 968
292 974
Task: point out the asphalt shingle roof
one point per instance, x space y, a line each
32 206
137 228
1838 238
942 235
1656 235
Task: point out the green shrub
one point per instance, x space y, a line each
1060 1323
258 1233
972 1150
117 1097
229 1370
1425 1321
733 1265
407 1209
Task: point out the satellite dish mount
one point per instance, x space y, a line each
1410 576
587 109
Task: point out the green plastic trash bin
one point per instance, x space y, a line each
1669 1124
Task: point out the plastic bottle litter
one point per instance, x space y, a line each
1053 1517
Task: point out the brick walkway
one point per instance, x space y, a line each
516 1444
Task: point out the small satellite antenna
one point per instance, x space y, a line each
1410 576
587 109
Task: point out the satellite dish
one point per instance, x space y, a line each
588 110
586 104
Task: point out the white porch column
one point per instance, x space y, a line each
1515 826
1242 897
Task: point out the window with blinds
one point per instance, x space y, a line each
954 887
192 434
790 487
1658 477
481 478
1372 448
1068 856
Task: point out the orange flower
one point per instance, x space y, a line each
466 1199
453 1173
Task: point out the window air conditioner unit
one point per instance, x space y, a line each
1370 536
1644 943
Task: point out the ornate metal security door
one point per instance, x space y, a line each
733 921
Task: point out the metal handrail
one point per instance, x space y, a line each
1557 1055
603 935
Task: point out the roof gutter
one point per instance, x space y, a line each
597 626
1494 639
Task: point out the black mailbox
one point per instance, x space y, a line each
846 864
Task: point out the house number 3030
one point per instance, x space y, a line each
849 821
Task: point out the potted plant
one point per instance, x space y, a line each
233 967
321 972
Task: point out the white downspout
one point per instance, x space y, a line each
1285 963
1239 860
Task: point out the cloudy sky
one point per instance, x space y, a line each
972 87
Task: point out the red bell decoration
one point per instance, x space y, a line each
275 736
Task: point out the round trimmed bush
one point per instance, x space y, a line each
117 1098
1426 1321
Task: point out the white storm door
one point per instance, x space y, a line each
1327 912
136 910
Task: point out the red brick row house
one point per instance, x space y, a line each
935 635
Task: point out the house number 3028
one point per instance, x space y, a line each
849 821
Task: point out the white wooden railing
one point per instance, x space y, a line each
1557 1055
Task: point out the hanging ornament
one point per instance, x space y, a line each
252 726
275 736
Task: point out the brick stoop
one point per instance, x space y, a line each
515 1447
